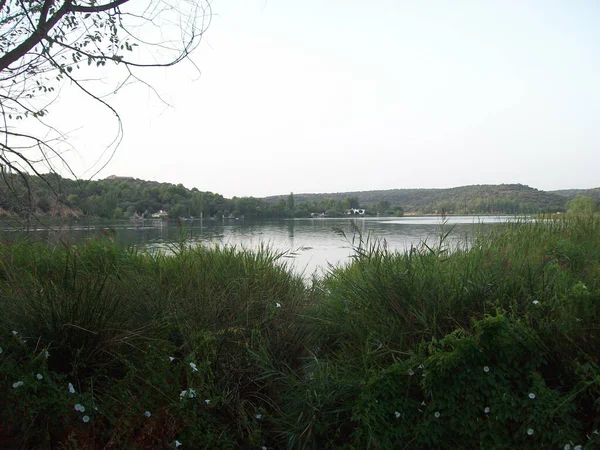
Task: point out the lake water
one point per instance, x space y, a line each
315 243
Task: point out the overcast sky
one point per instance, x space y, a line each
330 96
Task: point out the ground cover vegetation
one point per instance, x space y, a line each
127 197
494 344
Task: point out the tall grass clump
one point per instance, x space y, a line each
102 345
490 344
441 347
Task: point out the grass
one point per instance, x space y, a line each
436 347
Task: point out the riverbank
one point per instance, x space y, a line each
493 346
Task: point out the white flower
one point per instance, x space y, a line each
397 414
578 319
183 393
192 393
79 407
263 448
535 302
259 416
278 305
437 414
147 413
567 447
86 419
46 354
14 333
1 350
410 372
420 366
486 369
71 388
207 401
530 431
178 444
423 403
193 366
39 376
531 395
18 384
486 410
577 447
171 359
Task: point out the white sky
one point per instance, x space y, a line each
331 96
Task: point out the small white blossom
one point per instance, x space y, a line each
259 416
183 393
421 366
193 366
39 376
486 369
171 359
71 388
577 447
1 350
18 384
437 414
486 410
578 319
46 354
178 444
192 393
397 414
14 333
567 447
79 408
530 431
147 413
410 372
535 302
423 403
263 448
531 395
86 419
278 305
207 401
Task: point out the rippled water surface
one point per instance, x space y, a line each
315 243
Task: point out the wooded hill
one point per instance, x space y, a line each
475 199
570 194
125 197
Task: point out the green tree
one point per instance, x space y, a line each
291 204
48 44
582 205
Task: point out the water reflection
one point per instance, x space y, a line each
315 243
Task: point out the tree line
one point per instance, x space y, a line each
127 197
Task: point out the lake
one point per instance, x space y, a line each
315 243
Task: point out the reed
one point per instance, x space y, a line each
490 343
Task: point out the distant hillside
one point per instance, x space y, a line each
572 193
128 197
503 198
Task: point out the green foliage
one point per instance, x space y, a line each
476 199
111 320
490 344
582 205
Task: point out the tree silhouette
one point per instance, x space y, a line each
45 44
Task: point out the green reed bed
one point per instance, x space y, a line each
150 349
490 344
494 345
